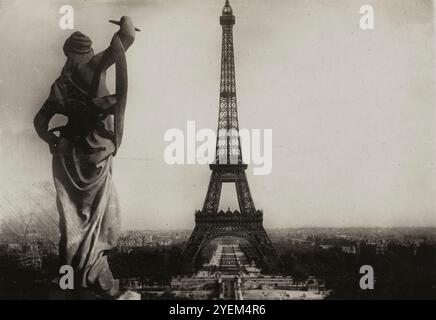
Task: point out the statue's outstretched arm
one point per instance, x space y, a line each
127 36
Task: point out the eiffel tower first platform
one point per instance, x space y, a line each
246 223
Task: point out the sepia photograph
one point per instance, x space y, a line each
225 150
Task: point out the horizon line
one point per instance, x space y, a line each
303 227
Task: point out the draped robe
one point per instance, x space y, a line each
82 170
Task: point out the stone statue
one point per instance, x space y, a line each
82 152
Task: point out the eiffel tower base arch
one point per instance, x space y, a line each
247 226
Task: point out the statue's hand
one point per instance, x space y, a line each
127 22
127 26
127 30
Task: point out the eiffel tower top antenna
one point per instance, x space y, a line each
227 6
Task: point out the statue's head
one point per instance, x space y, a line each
78 45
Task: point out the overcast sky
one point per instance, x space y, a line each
352 111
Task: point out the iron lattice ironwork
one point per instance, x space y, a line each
228 145
246 223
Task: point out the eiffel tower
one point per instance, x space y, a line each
229 168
